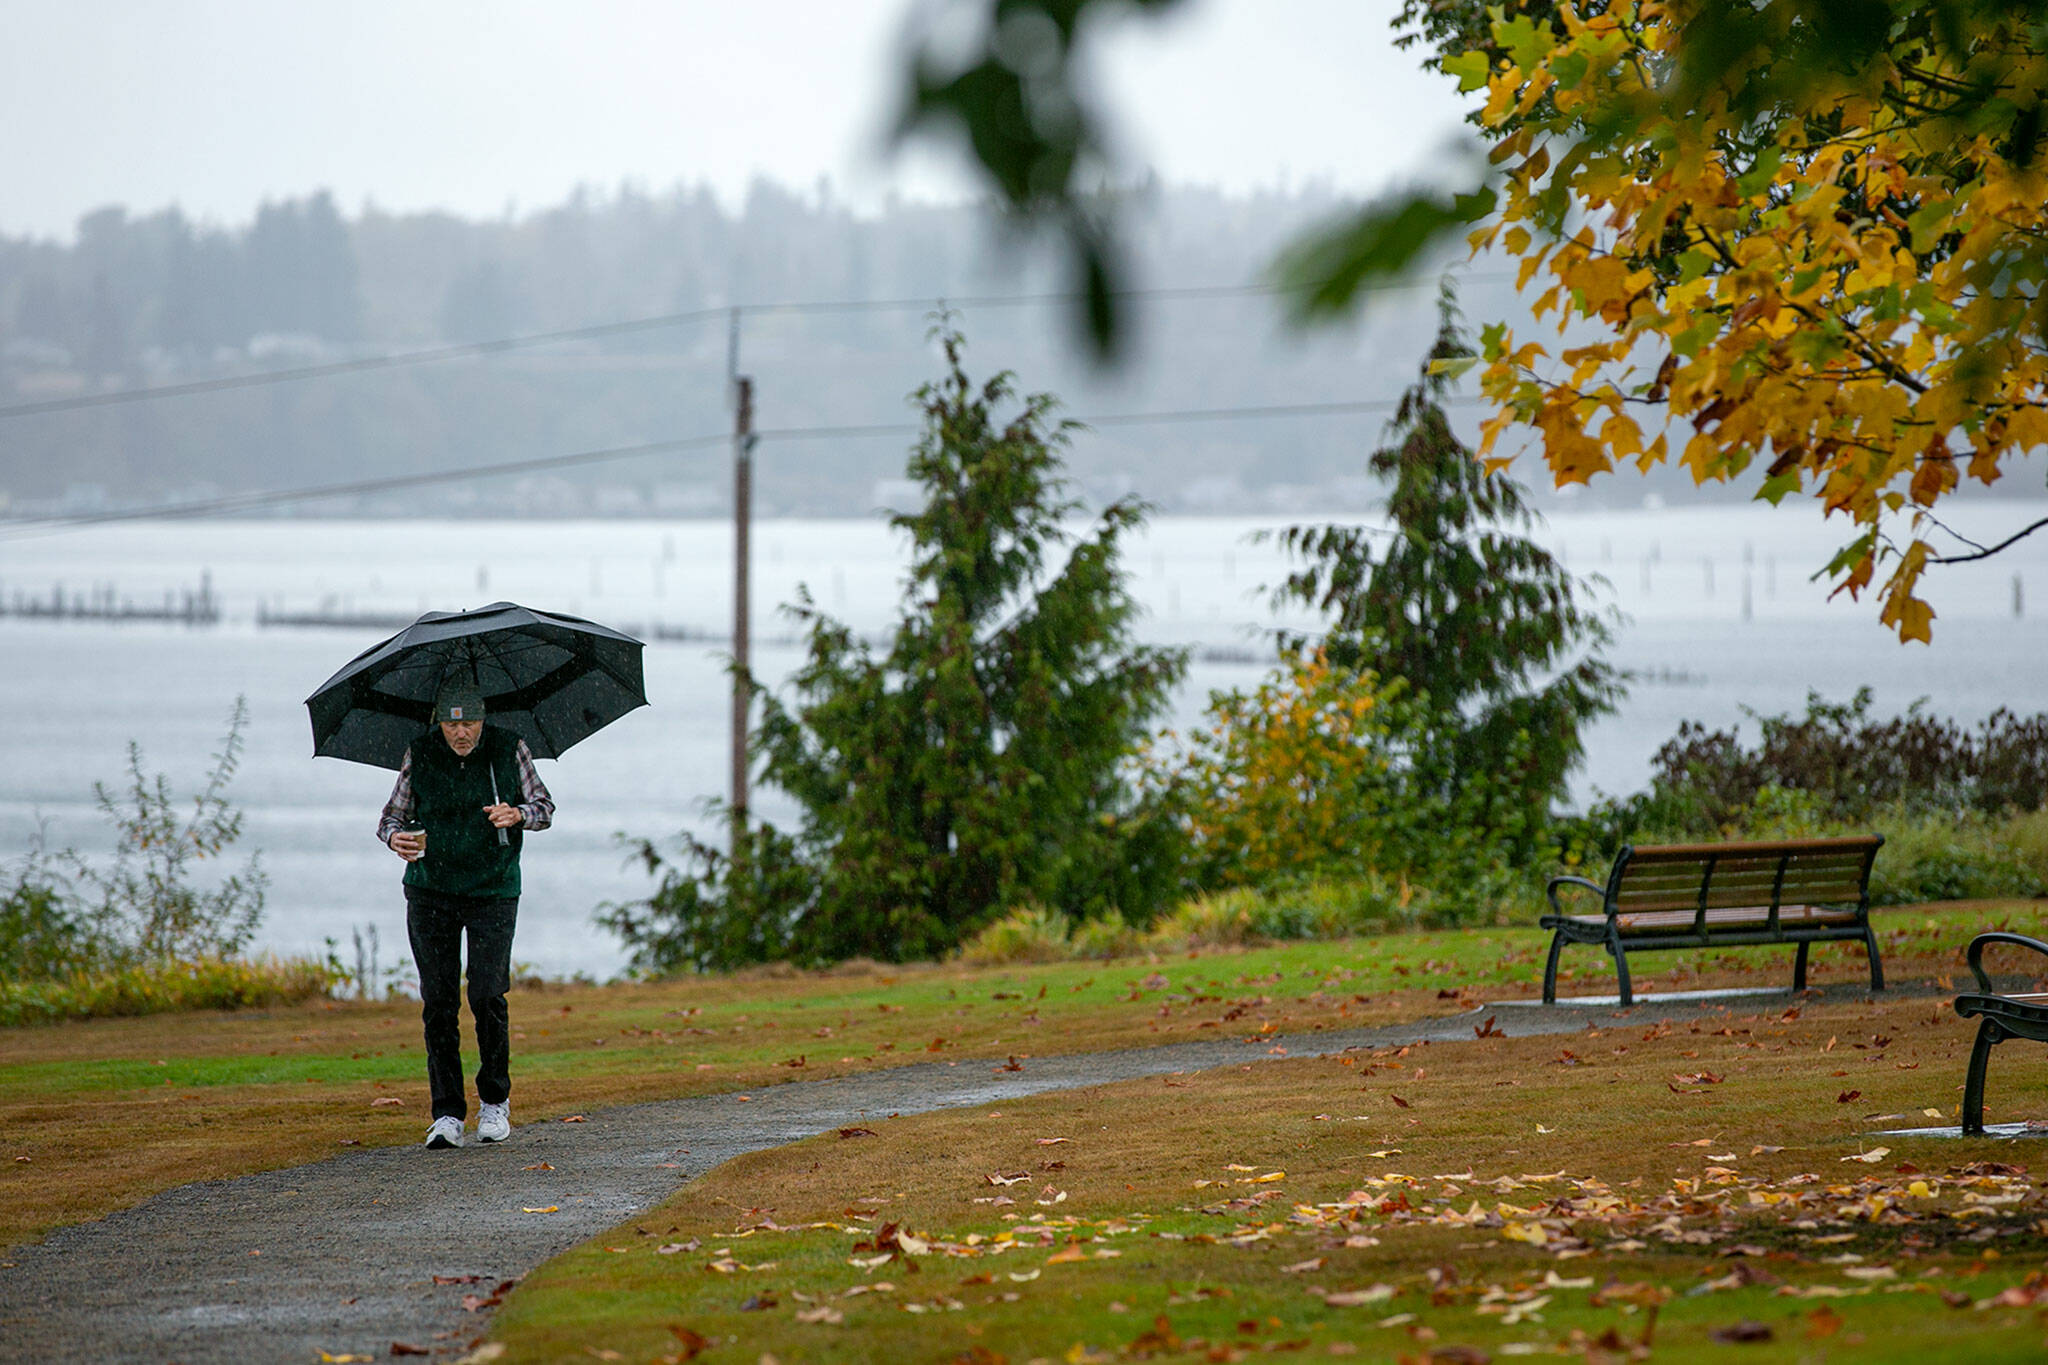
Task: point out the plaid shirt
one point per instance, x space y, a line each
536 807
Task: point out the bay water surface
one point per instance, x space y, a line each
1721 615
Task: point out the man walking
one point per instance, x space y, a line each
448 819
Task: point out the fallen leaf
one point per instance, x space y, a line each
824 1312
1487 1029
575 1118
1301 1267
551 1208
1848 1095
1397 1099
858 1132
1051 1142
1746 1330
694 1343
1870 1272
1823 1322
406 1348
1358 1298
1875 1154
538 1166
388 1102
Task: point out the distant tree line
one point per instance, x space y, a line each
160 287
157 297
161 283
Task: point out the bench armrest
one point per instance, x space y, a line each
1594 887
1982 941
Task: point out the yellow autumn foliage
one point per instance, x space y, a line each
1289 778
1834 295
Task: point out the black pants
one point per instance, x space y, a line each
436 923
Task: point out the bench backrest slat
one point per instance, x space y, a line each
1704 877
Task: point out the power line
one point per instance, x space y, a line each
624 327
359 365
245 502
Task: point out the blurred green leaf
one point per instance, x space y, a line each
1324 271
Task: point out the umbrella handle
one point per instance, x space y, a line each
496 800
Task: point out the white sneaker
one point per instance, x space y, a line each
494 1122
446 1131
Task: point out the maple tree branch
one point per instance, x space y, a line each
1981 552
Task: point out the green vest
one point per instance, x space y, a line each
449 793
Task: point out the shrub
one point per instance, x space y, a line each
1850 763
1029 933
141 933
1935 858
42 932
146 905
1929 854
1106 935
1230 918
162 987
1322 772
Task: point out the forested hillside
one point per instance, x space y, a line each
159 299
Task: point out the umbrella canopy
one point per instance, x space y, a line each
552 680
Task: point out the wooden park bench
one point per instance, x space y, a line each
2001 1017
1802 891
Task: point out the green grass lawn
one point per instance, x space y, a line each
1707 1193
99 1115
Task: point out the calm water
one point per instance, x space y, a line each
1722 618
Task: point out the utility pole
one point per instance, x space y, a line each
742 515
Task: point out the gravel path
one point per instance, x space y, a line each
372 1247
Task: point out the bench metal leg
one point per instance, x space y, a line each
1876 966
1550 970
1989 1035
1799 969
1628 995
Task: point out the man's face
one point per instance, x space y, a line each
462 735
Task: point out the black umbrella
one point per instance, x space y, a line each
552 680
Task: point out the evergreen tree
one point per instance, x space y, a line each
976 763
1484 624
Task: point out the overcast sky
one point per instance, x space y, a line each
477 106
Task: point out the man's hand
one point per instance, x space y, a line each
410 844
505 816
